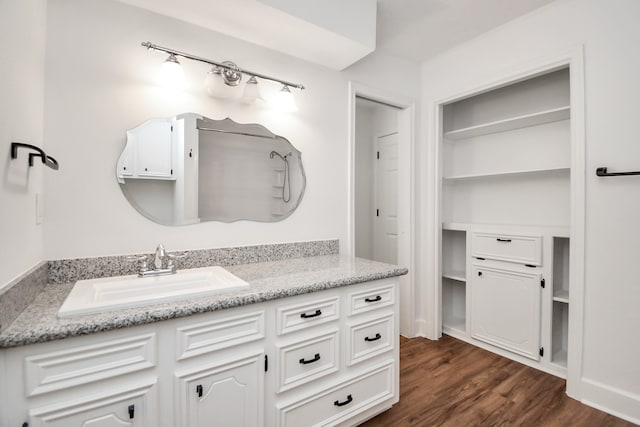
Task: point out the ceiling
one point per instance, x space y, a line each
412 29
420 29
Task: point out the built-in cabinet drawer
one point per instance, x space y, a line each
371 299
295 317
205 337
370 338
307 360
507 247
336 404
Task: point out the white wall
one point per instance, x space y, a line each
364 148
22 43
100 82
611 36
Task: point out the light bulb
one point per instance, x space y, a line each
171 73
217 86
251 92
283 101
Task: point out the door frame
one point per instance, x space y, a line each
574 59
406 195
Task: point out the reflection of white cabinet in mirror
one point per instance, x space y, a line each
149 151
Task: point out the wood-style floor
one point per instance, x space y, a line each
451 383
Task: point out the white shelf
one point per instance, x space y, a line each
503 174
560 358
454 325
455 226
459 276
539 118
561 296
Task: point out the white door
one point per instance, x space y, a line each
505 309
385 244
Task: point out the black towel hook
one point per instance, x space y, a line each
46 160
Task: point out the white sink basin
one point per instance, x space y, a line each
114 293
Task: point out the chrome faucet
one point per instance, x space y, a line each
161 267
161 254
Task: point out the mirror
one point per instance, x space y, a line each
189 169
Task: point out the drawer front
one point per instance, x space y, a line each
206 337
59 370
507 247
307 360
371 299
337 404
292 318
370 339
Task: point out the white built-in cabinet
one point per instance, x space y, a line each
324 358
506 156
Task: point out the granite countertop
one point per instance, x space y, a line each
268 281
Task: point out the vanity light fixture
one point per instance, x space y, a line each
171 73
283 101
230 75
251 92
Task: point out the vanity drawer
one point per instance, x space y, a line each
370 338
371 299
337 404
196 339
57 370
292 318
307 360
507 247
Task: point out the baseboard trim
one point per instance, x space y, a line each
611 400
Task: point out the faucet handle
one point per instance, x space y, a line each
143 259
175 256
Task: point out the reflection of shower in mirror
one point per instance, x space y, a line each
286 184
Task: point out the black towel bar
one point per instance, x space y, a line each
46 160
603 172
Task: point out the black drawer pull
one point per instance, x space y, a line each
376 299
346 402
199 390
132 411
315 359
376 338
503 240
308 316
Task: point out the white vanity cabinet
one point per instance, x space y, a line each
101 380
357 352
323 358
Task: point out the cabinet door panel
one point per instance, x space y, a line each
229 394
127 408
505 309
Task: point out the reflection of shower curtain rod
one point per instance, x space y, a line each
236 133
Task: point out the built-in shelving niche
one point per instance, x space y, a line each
560 317
506 168
454 281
